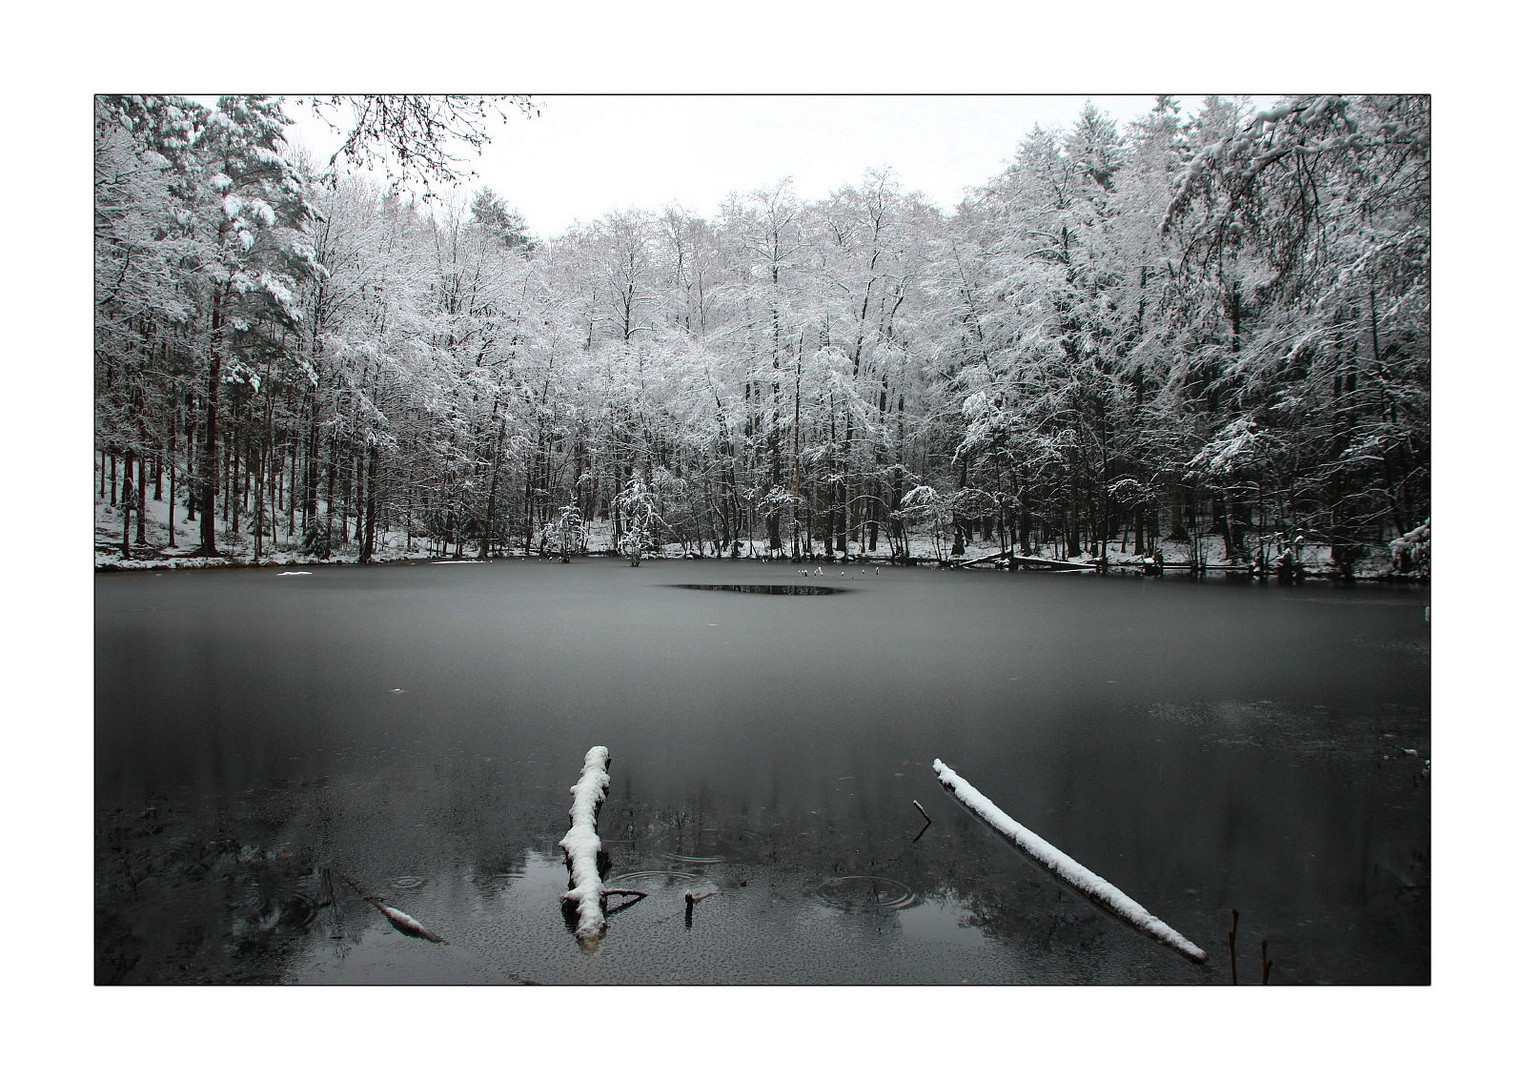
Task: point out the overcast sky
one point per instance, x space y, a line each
585 156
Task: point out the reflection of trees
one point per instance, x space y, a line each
245 887
1053 935
239 889
242 891
177 901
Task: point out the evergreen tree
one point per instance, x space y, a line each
490 213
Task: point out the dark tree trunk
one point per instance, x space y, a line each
368 540
1072 514
259 506
142 489
1177 531
127 506
170 506
492 490
209 455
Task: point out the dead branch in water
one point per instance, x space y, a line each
1090 885
636 896
692 897
922 831
405 923
1233 961
585 890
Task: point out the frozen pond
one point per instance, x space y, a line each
1205 746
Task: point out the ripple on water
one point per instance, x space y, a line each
407 882
706 845
650 880
862 892
261 907
701 859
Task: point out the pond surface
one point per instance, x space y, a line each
264 738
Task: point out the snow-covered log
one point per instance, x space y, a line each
982 559
1038 563
1097 889
582 845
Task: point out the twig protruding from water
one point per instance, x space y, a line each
1233 964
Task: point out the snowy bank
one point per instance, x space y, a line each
164 550
1066 869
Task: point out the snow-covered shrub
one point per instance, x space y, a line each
1411 551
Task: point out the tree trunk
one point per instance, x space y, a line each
192 495
142 490
368 540
328 507
492 489
127 506
238 481
170 506
259 507
209 455
1177 530
1072 514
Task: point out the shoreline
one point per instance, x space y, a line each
1188 558
1125 566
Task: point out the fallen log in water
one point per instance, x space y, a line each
1062 566
1093 887
982 559
405 923
585 892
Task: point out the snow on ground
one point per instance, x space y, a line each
159 553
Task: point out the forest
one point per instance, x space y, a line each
1209 326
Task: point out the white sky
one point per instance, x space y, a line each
585 156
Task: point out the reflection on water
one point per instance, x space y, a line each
1204 749
859 892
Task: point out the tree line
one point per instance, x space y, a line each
1204 324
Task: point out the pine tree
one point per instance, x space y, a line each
490 213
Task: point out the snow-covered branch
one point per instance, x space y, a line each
582 845
404 922
1098 890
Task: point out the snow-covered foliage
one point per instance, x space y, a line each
1044 370
1235 447
1411 551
